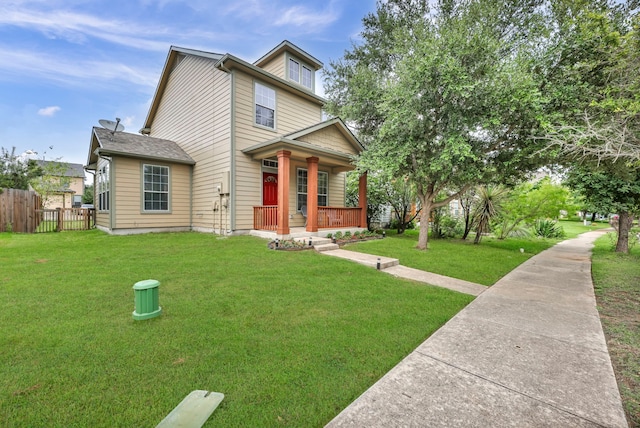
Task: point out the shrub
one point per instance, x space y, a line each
548 229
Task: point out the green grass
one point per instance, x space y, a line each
574 228
616 277
290 338
484 264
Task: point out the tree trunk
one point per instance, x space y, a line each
423 237
624 226
593 217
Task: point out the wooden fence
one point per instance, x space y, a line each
18 211
66 219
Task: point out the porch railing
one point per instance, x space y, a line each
265 217
338 217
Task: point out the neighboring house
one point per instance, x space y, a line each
70 194
229 147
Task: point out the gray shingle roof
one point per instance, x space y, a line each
142 146
73 169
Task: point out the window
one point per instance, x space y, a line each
323 188
307 77
103 185
300 73
294 70
265 99
156 187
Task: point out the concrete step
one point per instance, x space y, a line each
364 259
325 247
316 240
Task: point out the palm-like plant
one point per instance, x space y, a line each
487 206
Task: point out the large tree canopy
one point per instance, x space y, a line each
15 171
444 96
600 141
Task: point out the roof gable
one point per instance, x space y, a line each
106 143
287 46
173 57
336 125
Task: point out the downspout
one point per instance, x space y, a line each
231 200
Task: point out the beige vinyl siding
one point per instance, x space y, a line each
276 66
337 189
331 138
195 113
102 219
128 196
292 113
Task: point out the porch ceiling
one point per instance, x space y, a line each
301 150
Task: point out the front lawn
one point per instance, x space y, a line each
290 338
616 277
484 263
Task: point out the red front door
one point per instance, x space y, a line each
269 188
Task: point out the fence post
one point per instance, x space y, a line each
60 223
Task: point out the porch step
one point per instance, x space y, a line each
325 247
316 240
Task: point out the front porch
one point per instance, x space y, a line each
266 218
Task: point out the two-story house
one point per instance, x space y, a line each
71 184
229 147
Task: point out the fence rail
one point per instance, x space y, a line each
66 219
338 217
265 217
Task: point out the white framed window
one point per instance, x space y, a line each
300 73
307 77
265 103
104 185
270 163
301 188
294 70
155 187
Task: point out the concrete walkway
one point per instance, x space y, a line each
392 267
527 352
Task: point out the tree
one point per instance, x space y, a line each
384 191
16 171
87 196
52 181
531 201
599 142
610 191
442 96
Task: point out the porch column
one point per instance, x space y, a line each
362 199
283 192
312 194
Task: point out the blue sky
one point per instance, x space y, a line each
68 63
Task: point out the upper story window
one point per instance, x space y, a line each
156 187
294 70
300 73
265 100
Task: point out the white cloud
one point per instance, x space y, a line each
49 111
78 28
73 72
304 17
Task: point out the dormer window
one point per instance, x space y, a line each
300 73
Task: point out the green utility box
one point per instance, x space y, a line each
146 299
